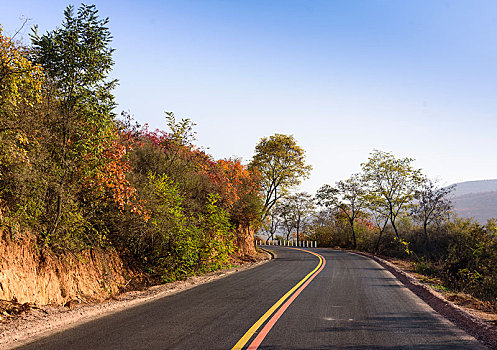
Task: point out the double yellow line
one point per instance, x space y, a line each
252 330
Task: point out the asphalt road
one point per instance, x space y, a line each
353 303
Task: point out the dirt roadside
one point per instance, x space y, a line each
25 323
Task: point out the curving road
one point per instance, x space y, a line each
338 300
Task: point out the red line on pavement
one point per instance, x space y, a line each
264 332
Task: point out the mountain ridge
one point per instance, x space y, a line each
476 199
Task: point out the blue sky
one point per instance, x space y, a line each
415 78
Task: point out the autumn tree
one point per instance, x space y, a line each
391 183
21 84
348 196
238 187
21 127
281 165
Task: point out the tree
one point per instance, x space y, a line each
284 210
391 183
21 129
281 165
347 196
432 204
20 82
87 159
273 222
294 210
379 217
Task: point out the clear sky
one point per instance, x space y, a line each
415 78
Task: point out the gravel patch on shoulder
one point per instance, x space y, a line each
45 320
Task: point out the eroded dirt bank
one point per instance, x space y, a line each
36 322
42 292
30 274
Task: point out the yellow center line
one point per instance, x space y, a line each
246 337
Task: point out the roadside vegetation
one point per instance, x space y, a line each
77 176
390 208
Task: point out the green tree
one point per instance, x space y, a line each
347 196
281 165
77 59
391 183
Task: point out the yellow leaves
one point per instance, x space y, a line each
13 148
21 81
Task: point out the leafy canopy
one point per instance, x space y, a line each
281 165
391 183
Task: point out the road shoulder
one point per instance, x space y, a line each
475 326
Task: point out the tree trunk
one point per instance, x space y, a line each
377 246
354 240
425 228
395 228
245 240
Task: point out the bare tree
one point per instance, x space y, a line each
294 210
348 196
380 218
273 222
432 203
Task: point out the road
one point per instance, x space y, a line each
346 302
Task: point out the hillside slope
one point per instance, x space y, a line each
481 186
477 199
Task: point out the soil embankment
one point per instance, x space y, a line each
30 274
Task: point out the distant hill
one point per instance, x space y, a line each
477 199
